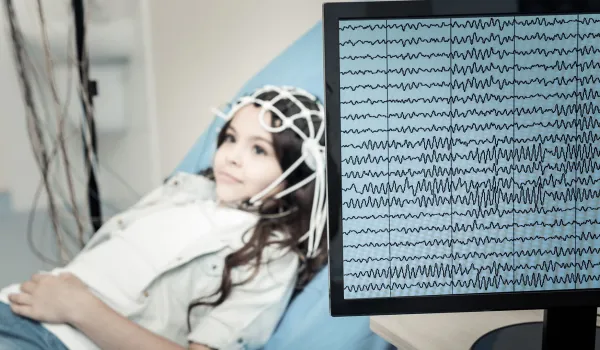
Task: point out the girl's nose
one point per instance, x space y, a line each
235 155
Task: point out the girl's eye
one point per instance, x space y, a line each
229 138
259 150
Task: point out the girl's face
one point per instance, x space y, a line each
245 163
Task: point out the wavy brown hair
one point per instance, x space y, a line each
288 148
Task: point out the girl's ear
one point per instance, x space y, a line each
284 184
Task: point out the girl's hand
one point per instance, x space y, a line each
51 299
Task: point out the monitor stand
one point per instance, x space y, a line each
562 328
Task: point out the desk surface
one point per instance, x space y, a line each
452 331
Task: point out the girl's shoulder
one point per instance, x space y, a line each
192 184
181 178
275 251
177 189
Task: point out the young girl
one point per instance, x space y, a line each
206 261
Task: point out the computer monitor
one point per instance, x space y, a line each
463 142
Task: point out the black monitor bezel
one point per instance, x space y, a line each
339 306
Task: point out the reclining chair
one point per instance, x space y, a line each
306 324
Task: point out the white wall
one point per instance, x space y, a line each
12 115
134 154
9 92
204 51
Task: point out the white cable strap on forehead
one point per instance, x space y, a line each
313 153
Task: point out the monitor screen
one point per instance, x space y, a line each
468 155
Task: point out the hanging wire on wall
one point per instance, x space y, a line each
60 121
53 136
34 122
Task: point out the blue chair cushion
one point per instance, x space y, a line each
307 323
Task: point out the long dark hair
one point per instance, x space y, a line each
288 148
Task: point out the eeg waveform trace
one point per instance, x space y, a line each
470 155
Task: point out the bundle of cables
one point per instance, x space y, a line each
53 136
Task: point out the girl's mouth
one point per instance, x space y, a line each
225 177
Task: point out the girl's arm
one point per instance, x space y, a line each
65 299
250 314
110 330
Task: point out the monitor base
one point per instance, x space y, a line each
523 336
